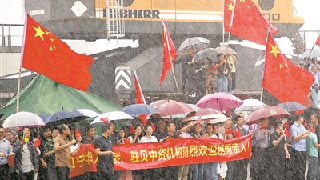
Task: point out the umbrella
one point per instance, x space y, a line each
67 114
260 60
23 119
206 113
195 43
265 112
225 50
206 53
193 106
218 120
250 105
136 109
173 107
159 102
219 101
112 116
314 54
292 106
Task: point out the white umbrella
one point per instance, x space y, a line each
195 43
88 112
224 50
23 119
250 105
112 116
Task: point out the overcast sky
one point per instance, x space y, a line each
11 12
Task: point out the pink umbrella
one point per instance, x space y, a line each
207 111
159 102
265 112
219 101
173 107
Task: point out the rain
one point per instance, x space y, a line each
166 89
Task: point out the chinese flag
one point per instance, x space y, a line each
318 41
46 54
77 133
282 78
169 53
248 23
37 143
140 98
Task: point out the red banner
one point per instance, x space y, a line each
84 161
177 152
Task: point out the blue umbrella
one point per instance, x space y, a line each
64 114
136 109
292 106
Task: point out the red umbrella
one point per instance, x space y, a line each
173 107
265 112
219 101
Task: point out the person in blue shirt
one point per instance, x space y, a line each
5 150
299 134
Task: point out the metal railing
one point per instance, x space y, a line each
11 34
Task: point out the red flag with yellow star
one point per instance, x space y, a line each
169 53
46 54
246 22
282 78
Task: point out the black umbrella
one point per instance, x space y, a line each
292 106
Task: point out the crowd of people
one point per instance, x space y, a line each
275 154
312 65
207 75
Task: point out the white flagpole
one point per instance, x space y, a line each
20 68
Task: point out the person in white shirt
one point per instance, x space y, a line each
148 137
211 168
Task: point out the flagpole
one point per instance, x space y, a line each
18 94
231 23
20 68
311 51
223 31
174 75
